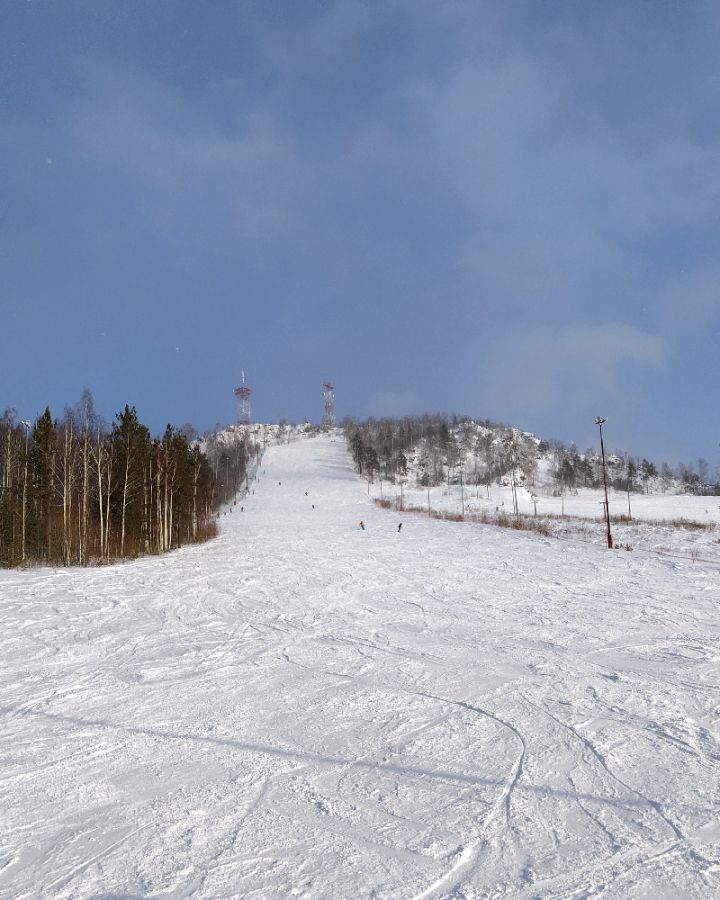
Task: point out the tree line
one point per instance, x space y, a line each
572 470
449 448
445 449
74 491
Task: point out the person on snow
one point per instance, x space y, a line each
399 528
362 524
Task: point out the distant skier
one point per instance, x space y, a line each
306 493
399 528
362 524
242 509
313 506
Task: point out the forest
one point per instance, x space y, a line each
74 491
448 448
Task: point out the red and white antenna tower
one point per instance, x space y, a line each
329 398
242 395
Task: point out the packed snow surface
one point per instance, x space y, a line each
305 709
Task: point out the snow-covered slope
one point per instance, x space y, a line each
302 708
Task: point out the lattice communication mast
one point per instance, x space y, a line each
329 398
242 395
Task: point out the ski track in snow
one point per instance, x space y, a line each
304 709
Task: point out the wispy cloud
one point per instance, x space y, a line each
543 370
462 188
243 185
565 210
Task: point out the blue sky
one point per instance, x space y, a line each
504 209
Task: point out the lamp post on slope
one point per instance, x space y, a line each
600 421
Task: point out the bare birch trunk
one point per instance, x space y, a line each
194 519
67 491
99 462
107 503
124 501
85 492
160 535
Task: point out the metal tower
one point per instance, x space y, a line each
242 395
329 398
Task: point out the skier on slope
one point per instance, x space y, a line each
362 524
399 528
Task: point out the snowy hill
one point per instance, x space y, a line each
303 708
430 449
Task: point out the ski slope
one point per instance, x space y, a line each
304 709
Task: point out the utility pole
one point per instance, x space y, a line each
600 421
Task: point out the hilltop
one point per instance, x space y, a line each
431 449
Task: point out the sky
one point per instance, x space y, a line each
503 209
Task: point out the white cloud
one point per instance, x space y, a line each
564 208
561 370
246 184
